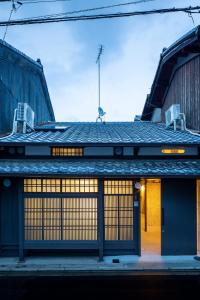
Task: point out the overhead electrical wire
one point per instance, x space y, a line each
14 8
90 9
42 1
41 20
107 6
22 2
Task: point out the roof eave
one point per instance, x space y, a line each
169 56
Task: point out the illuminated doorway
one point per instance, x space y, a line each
150 196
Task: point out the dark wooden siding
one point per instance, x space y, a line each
184 89
9 218
21 80
179 217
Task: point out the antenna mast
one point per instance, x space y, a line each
101 113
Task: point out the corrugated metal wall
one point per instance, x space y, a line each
185 90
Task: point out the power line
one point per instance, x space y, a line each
103 7
86 9
190 9
14 8
40 1
108 6
22 2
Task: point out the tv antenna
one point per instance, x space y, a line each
101 112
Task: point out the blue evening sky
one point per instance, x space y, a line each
68 53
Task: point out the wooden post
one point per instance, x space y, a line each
100 208
21 220
1 183
137 223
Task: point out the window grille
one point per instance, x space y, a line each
67 151
118 210
79 185
60 219
35 185
80 218
51 186
116 187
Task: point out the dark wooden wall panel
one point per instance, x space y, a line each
20 81
184 89
9 218
179 225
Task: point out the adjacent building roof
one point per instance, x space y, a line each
36 66
103 133
188 44
101 167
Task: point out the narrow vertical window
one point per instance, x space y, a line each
118 209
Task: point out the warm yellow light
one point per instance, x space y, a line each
67 151
142 188
173 151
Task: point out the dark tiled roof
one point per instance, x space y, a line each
110 132
102 167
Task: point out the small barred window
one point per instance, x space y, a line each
67 151
116 187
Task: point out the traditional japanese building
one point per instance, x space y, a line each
100 187
110 188
177 81
22 80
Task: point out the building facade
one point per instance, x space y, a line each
105 188
21 80
177 81
108 187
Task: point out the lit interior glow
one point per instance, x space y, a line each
142 188
36 185
150 197
67 151
118 209
60 218
173 151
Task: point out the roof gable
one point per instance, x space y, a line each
169 59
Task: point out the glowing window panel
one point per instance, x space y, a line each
79 185
33 185
116 187
52 185
67 151
60 219
173 151
118 210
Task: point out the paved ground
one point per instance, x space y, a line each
123 288
127 263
